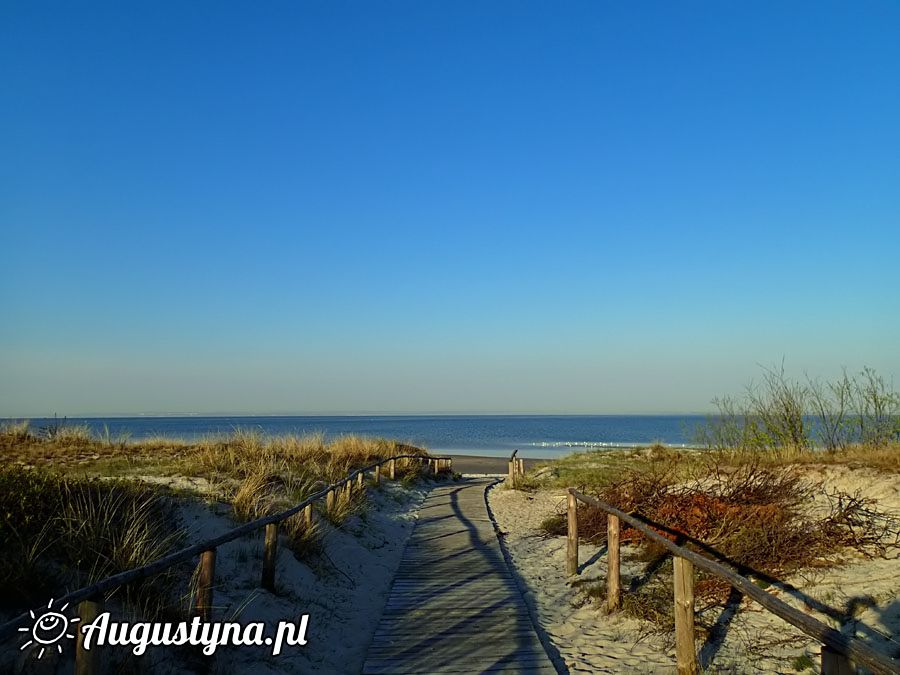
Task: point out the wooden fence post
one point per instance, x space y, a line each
361 481
835 663
377 476
520 463
307 516
613 583
203 605
512 474
392 469
270 554
572 543
329 501
87 661
685 654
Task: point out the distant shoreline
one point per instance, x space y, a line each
477 464
163 415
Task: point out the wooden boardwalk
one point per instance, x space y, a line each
454 606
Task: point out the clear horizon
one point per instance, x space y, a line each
420 206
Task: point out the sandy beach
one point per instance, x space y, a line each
479 465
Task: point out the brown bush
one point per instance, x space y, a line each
755 517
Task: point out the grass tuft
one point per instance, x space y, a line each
346 503
59 532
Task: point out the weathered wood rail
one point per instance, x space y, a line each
841 653
89 598
516 469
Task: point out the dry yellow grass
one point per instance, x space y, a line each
257 474
246 453
234 456
884 458
345 504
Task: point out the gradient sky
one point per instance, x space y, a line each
442 206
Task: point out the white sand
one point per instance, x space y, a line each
588 641
591 641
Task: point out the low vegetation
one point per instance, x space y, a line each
233 456
767 521
746 498
64 523
58 533
757 517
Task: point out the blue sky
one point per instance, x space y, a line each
442 207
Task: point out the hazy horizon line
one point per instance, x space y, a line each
95 415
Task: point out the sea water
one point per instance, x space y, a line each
495 435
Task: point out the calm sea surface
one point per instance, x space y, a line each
532 435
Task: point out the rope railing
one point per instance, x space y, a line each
89 597
840 653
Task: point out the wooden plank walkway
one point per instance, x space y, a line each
454 606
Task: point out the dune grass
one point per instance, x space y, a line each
346 503
59 532
234 456
64 523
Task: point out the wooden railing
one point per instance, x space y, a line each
840 653
516 469
89 598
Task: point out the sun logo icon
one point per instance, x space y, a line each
49 628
